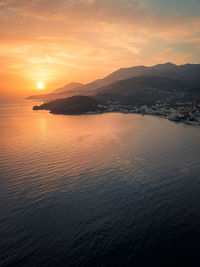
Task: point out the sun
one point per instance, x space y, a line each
40 85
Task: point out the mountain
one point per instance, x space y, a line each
68 87
138 84
137 91
63 92
188 73
143 90
70 105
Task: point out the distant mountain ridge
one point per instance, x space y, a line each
63 92
142 90
69 86
138 84
188 74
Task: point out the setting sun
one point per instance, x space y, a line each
40 85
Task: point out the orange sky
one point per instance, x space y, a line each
57 42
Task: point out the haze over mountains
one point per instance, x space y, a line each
168 84
186 76
62 92
68 87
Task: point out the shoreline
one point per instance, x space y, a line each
191 123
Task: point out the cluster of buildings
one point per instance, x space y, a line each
180 112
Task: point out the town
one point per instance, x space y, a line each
186 112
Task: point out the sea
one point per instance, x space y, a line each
97 190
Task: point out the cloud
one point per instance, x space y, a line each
87 39
135 14
88 1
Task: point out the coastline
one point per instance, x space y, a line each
191 123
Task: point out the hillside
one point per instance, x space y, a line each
70 105
137 91
68 87
188 73
141 90
63 92
138 84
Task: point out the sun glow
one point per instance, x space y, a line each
40 85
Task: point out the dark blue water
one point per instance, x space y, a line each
98 190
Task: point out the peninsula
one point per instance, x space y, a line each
165 90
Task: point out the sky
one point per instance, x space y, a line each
55 42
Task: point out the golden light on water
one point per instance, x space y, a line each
40 85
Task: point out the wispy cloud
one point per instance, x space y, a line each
87 39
